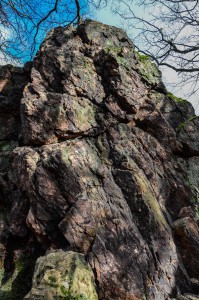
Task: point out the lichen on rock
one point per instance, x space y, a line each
96 179
149 71
65 275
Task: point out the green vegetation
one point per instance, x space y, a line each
64 276
148 70
70 297
19 283
7 145
142 57
176 99
146 190
182 125
116 52
150 201
52 279
64 291
53 285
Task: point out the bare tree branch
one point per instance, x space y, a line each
27 23
168 32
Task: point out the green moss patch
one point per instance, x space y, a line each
148 70
183 125
143 57
17 284
7 146
65 275
176 99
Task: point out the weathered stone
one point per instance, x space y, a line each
15 275
62 275
187 235
188 135
193 178
104 167
195 285
12 82
188 297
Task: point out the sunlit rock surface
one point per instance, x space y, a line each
99 159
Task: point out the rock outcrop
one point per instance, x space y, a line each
65 275
99 160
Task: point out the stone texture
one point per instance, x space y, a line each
63 275
187 234
12 82
105 165
188 297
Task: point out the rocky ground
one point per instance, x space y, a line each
99 178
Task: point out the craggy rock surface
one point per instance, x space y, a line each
63 275
107 165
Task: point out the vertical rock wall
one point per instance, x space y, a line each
106 165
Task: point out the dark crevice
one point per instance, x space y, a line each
97 284
187 152
21 255
109 81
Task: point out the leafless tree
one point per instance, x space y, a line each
24 23
168 32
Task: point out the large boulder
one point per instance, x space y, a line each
103 167
63 275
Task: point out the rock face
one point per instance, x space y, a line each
62 275
104 162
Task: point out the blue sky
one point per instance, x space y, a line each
30 14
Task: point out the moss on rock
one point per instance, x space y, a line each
65 275
15 285
184 124
148 70
117 53
6 147
176 99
